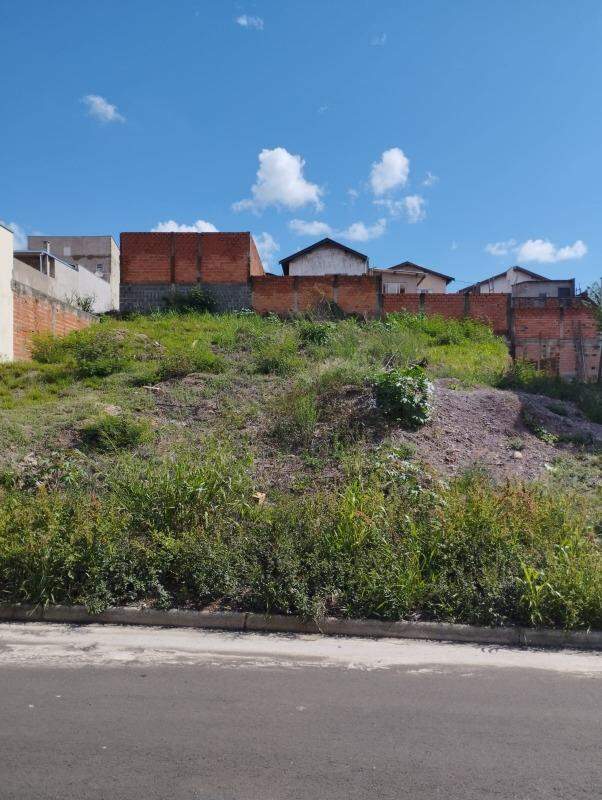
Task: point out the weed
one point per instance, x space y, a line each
196 299
112 432
404 395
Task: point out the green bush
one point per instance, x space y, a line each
404 395
276 355
178 364
295 417
317 333
196 299
113 432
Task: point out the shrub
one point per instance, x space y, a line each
98 351
195 300
113 432
48 349
404 395
180 363
314 332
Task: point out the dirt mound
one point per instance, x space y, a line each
487 428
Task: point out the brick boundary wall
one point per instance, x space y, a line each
35 313
286 295
156 265
492 309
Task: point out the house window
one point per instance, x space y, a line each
394 288
564 291
99 270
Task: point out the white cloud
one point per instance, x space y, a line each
379 40
390 172
200 226
545 252
430 179
359 232
312 228
101 109
356 232
500 248
412 206
352 194
541 250
280 182
19 235
250 22
267 246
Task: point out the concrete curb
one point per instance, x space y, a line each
278 623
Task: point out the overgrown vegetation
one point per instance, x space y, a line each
135 451
587 396
386 543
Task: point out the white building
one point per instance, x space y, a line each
410 278
325 257
6 294
511 282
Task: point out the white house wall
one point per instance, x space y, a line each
6 294
66 285
328 261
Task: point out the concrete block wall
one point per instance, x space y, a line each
36 313
155 265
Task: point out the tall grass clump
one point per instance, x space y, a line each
109 432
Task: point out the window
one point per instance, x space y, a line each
564 291
67 250
99 270
394 288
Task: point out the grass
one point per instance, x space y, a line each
133 451
384 544
587 396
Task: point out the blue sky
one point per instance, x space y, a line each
465 136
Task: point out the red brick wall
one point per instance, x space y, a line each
186 258
359 294
34 313
273 293
288 295
146 257
491 309
226 257
256 264
445 305
401 302
557 336
311 292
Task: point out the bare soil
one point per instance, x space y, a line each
484 427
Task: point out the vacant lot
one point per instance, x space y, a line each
238 461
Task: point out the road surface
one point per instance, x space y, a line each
143 714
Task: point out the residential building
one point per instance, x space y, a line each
508 283
325 257
410 278
97 254
63 280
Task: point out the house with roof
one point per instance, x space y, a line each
410 278
325 257
521 282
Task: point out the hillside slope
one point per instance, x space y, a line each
244 461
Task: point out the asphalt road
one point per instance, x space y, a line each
124 714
